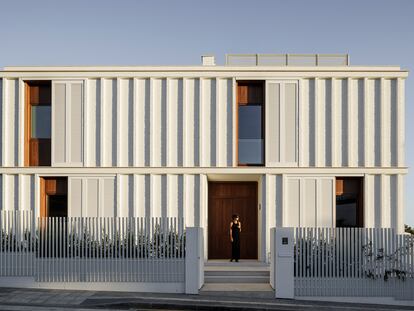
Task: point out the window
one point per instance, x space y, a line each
250 122
38 123
41 122
53 197
349 202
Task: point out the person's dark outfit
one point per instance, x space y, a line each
235 245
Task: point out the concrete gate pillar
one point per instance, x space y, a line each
282 262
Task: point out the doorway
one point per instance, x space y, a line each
224 200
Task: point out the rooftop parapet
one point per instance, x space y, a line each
287 60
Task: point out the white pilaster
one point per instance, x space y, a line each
120 120
86 124
205 122
221 117
139 195
385 122
400 203
189 200
3 108
318 138
304 149
172 119
172 198
235 121
155 122
156 192
352 126
140 96
369 192
20 125
336 123
103 131
385 201
188 122
368 124
400 122
5 130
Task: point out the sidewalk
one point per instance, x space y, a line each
40 299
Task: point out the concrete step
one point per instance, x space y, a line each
220 276
238 273
249 272
236 279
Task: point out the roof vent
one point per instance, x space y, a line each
208 60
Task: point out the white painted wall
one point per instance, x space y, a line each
133 195
343 122
347 122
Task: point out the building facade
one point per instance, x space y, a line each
280 145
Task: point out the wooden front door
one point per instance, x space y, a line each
224 200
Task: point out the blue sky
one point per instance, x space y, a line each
80 32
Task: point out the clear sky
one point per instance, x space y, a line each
86 32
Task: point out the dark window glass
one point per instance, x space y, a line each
349 202
57 205
250 135
250 122
346 211
41 122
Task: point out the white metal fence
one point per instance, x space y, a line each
353 262
92 249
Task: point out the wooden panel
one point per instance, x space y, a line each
226 199
339 186
250 92
242 94
40 94
39 152
56 186
42 198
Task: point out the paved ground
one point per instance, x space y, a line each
37 299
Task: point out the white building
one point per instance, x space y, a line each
302 142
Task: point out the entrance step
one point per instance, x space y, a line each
236 277
243 272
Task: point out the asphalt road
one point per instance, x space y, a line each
40 299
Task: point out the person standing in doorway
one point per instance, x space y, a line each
235 229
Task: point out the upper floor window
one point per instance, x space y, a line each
250 109
38 123
41 122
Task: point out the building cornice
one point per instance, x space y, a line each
203 69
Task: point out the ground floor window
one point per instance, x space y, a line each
349 202
53 197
